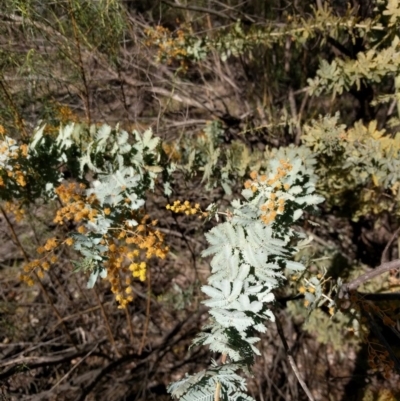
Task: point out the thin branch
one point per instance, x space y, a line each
295 116
181 235
292 361
129 320
217 393
385 252
385 296
33 362
108 327
166 340
19 122
86 99
235 9
42 287
295 93
78 314
73 368
377 331
146 324
14 235
339 47
354 284
200 9
57 313
302 107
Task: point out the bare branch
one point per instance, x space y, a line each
292 361
384 257
199 9
353 285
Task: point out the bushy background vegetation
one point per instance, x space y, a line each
221 85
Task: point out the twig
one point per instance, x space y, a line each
376 330
81 67
384 257
385 296
217 393
103 312
33 362
19 122
14 235
57 313
32 346
180 235
302 107
112 366
42 287
353 285
128 318
200 9
339 47
292 100
146 324
78 314
73 368
291 360
295 116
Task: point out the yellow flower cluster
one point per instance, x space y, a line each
147 243
40 266
138 270
28 268
27 279
8 148
185 207
147 239
115 269
10 151
69 192
50 244
76 205
302 290
171 45
172 152
15 209
65 114
272 208
48 250
272 186
18 176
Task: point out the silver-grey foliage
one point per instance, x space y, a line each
252 251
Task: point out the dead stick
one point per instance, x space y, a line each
42 287
386 250
108 327
128 318
218 386
146 324
354 284
292 362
